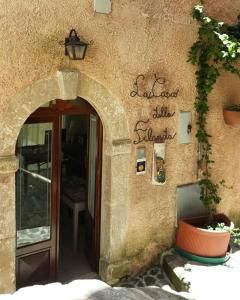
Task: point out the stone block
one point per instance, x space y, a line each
7 265
174 267
7 223
8 164
112 273
68 81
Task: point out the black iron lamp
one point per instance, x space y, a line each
75 48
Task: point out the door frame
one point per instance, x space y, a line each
98 195
57 110
52 243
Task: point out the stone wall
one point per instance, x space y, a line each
139 37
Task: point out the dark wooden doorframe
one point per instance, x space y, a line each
93 225
48 248
56 112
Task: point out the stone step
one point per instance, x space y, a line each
203 281
174 267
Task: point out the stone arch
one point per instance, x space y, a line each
66 85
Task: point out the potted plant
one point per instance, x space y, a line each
196 237
231 114
217 48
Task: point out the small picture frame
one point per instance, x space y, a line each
158 168
141 166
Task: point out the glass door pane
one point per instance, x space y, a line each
33 184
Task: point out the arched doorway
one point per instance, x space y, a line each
60 153
68 84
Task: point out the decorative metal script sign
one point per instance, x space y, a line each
157 88
144 133
162 112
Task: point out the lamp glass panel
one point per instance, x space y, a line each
70 51
79 52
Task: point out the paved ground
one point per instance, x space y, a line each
154 283
152 277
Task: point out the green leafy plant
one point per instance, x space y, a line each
217 49
232 107
218 227
234 232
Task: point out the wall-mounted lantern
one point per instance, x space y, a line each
75 48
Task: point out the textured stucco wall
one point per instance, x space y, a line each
138 37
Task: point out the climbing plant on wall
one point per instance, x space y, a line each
217 49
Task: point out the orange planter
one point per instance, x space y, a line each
232 117
202 242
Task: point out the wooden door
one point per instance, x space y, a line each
93 213
37 202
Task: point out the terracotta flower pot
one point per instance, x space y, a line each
202 242
232 117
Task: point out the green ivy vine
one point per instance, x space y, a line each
217 49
